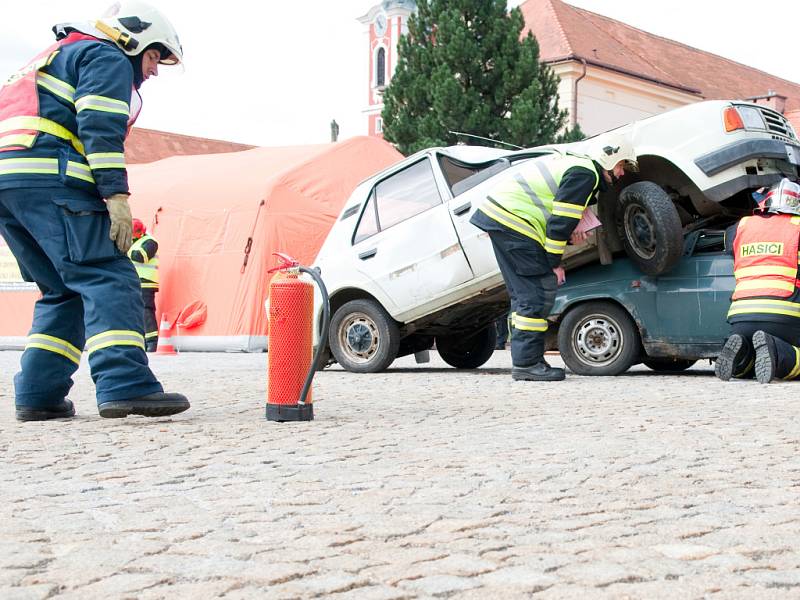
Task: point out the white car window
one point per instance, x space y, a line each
401 196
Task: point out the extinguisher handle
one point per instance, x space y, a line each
286 262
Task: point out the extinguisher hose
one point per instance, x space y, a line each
323 334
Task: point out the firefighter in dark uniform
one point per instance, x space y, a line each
65 216
765 308
530 216
144 255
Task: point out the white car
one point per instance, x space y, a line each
404 267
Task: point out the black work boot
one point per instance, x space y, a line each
63 410
541 371
159 404
734 358
766 356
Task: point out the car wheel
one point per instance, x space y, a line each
467 352
363 337
667 365
650 227
598 338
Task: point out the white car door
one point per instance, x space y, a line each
405 241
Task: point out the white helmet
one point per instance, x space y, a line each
133 26
609 149
783 197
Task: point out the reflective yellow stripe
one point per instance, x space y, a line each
757 284
55 345
766 270
564 209
103 104
796 371
150 335
106 160
39 166
528 323
764 306
60 88
555 246
79 171
114 338
510 221
43 125
17 139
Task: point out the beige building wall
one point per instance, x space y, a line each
607 99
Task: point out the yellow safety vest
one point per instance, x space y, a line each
525 200
147 271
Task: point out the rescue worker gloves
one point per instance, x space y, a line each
121 222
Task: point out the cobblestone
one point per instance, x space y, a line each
420 482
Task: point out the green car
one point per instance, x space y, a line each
607 318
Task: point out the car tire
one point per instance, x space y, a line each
467 352
598 338
649 227
363 337
668 365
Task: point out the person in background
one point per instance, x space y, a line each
64 211
530 215
144 254
765 308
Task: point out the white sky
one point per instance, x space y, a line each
276 72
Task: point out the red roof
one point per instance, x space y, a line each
566 32
149 145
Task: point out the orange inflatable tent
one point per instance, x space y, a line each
218 218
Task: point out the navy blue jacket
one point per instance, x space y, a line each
87 89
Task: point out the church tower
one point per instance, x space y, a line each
384 24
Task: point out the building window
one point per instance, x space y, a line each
380 68
378 125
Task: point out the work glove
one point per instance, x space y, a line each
121 222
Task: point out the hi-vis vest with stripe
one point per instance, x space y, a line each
20 122
147 271
526 201
765 256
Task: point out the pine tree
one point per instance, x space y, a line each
463 67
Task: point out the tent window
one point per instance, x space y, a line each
380 68
403 195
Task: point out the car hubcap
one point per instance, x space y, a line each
640 231
358 336
598 340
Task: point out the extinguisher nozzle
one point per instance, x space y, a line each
290 412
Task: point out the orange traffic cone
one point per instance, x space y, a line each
165 345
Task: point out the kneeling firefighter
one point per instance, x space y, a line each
530 215
765 308
64 211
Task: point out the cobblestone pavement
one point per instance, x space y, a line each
420 482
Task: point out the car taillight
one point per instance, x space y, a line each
732 119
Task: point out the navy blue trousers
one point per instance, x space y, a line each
532 288
90 297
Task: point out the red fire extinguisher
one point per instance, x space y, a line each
291 367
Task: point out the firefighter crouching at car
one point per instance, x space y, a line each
530 216
144 254
765 308
63 123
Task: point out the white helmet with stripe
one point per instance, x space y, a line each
134 26
783 197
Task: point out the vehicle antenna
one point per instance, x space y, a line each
480 137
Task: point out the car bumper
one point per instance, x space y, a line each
744 150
